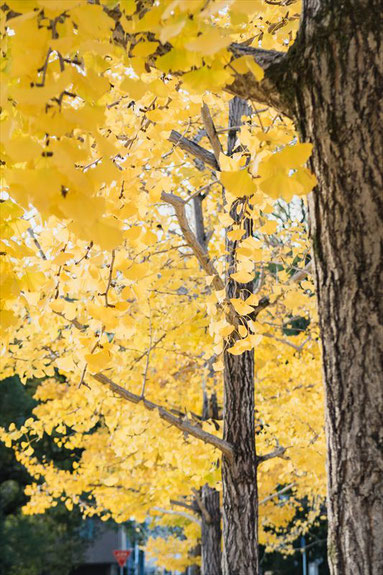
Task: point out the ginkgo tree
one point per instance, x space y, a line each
56 348
86 121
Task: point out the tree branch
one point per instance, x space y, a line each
268 90
277 493
181 423
194 149
190 238
199 251
183 504
211 131
204 512
37 243
301 274
279 452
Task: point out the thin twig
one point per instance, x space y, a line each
289 343
108 286
277 493
37 243
278 452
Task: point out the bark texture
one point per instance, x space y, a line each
239 476
210 508
211 532
338 59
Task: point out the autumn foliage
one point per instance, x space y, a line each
114 260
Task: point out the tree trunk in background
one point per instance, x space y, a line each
339 63
239 477
211 533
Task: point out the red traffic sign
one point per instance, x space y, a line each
121 556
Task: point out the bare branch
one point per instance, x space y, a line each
301 274
277 493
204 512
199 251
181 423
287 342
198 221
110 277
74 321
37 243
279 452
211 131
194 149
183 504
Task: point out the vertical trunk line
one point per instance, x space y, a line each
211 533
239 478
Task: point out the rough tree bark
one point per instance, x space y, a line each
338 108
239 476
331 83
211 532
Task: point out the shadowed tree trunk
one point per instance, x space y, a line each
339 109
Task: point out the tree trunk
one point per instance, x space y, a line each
211 533
339 109
239 477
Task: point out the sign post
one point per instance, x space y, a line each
121 557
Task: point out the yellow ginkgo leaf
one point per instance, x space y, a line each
241 307
240 346
235 235
136 272
248 64
269 227
209 43
242 277
281 186
134 88
306 178
99 360
239 183
290 158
